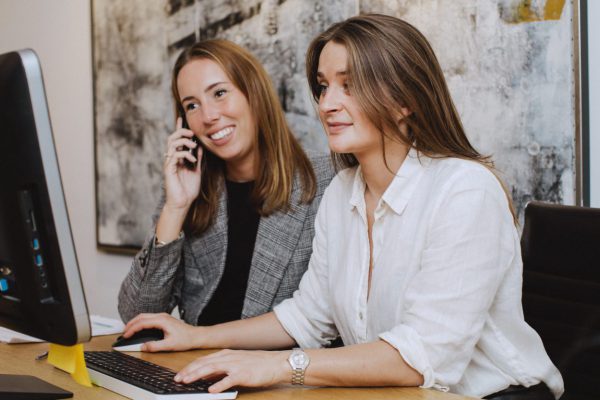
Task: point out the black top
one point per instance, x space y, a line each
228 299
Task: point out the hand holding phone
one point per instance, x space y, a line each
182 183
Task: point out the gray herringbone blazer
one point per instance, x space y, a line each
186 272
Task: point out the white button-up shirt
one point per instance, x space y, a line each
446 281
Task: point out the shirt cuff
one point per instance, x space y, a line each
408 343
295 324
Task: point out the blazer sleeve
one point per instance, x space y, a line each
154 281
324 173
307 316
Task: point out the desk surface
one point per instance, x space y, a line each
19 359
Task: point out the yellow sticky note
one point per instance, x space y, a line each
70 359
62 357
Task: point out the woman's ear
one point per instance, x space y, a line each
403 113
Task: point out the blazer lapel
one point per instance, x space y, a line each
211 251
276 240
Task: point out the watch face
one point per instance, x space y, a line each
298 359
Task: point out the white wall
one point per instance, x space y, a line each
60 32
594 74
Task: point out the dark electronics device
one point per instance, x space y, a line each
41 293
188 164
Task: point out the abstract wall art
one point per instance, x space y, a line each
510 68
135 46
509 65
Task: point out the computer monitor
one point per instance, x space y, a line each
41 293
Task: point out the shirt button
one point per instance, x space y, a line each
360 316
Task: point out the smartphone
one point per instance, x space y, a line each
193 151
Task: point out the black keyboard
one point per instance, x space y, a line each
136 378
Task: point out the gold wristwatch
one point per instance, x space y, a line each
299 361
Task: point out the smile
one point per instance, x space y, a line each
221 134
334 127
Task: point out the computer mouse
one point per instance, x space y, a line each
135 341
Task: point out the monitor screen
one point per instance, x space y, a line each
41 293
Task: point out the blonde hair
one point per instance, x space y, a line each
280 155
392 65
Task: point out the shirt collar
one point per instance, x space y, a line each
402 186
358 189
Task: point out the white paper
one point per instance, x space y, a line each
106 326
100 326
10 336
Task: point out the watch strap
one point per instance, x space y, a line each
298 376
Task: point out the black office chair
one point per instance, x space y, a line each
561 290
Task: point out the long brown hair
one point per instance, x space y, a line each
392 65
280 155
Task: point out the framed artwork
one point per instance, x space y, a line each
136 43
590 96
511 70
511 67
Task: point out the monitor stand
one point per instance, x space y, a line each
21 387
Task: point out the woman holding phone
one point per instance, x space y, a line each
232 234
416 261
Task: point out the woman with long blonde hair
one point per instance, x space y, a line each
233 232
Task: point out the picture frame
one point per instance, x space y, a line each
513 69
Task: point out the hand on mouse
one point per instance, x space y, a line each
178 335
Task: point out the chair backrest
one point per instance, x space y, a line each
561 290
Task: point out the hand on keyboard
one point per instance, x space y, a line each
136 378
240 368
